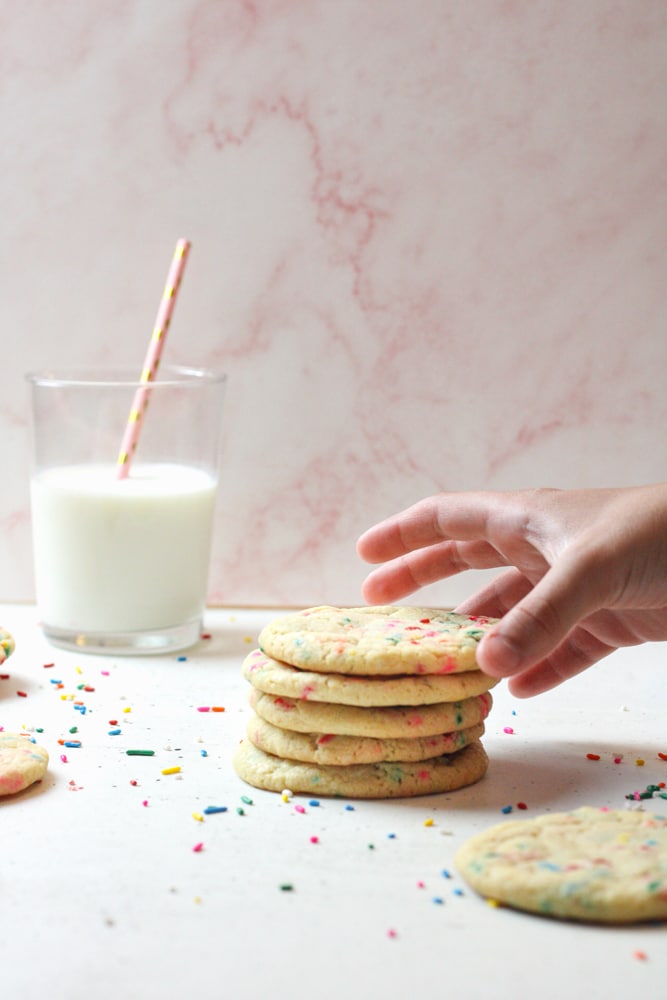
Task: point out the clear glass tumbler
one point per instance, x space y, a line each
121 562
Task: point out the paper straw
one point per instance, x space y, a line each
152 359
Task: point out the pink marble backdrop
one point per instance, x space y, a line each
429 248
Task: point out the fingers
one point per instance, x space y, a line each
408 573
538 624
578 652
463 516
497 597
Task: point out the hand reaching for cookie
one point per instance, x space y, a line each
586 572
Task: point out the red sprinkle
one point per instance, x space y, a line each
4 677
662 756
133 781
640 955
206 635
592 756
22 694
198 847
521 805
47 665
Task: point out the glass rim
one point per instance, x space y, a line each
180 376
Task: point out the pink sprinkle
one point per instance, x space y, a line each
508 729
105 673
314 840
299 809
204 708
391 933
198 847
63 758
421 885
617 760
145 802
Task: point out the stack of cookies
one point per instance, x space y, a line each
371 702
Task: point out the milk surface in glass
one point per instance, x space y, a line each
122 555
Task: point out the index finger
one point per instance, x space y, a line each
443 517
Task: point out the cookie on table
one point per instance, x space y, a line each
22 763
376 640
362 781
597 865
6 645
395 722
277 678
320 748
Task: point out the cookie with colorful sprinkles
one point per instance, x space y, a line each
362 781
274 677
6 644
327 748
594 865
394 722
22 763
374 640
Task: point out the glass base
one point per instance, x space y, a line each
149 643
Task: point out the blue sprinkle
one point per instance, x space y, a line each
458 892
313 802
72 743
181 659
54 681
349 808
204 753
506 809
114 732
391 836
445 873
438 900
210 810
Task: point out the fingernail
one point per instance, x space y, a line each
499 656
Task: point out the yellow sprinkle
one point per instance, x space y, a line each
492 902
639 762
128 709
428 822
197 816
197 899
171 770
78 670
247 638
623 838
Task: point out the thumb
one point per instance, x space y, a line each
538 623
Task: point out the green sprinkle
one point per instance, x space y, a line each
248 801
74 729
286 887
140 753
653 886
371 847
240 811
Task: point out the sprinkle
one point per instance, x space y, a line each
506 809
211 810
181 659
438 900
4 677
248 801
114 732
198 817
204 708
204 753
63 758
47 665
458 892
662 756
140 753
428 822
508 729
171 770
286 795
640 762
240 811
22 694
87 687
492 902
299 809
205 635
314 803
521 805
592 756
52 680
349 808
145 802
286 887
391 933
113 722
217 708
617 760
445 873
74 729
127 709
133 782
198 848
421 885
314 840
71 743
391 836
641 956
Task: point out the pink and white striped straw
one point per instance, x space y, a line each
152 359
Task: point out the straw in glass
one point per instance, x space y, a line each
152 359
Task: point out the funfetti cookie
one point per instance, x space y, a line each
376 640
22 763
597 865
362 781
326 748
6 645
277 678
396 722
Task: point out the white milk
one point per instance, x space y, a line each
122 555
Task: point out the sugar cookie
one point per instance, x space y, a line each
362 781
274 677
598 865
376 640
22 762
319 748
6 645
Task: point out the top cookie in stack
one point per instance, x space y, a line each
367 702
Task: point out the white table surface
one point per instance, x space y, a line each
103 895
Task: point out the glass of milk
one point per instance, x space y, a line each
121 564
